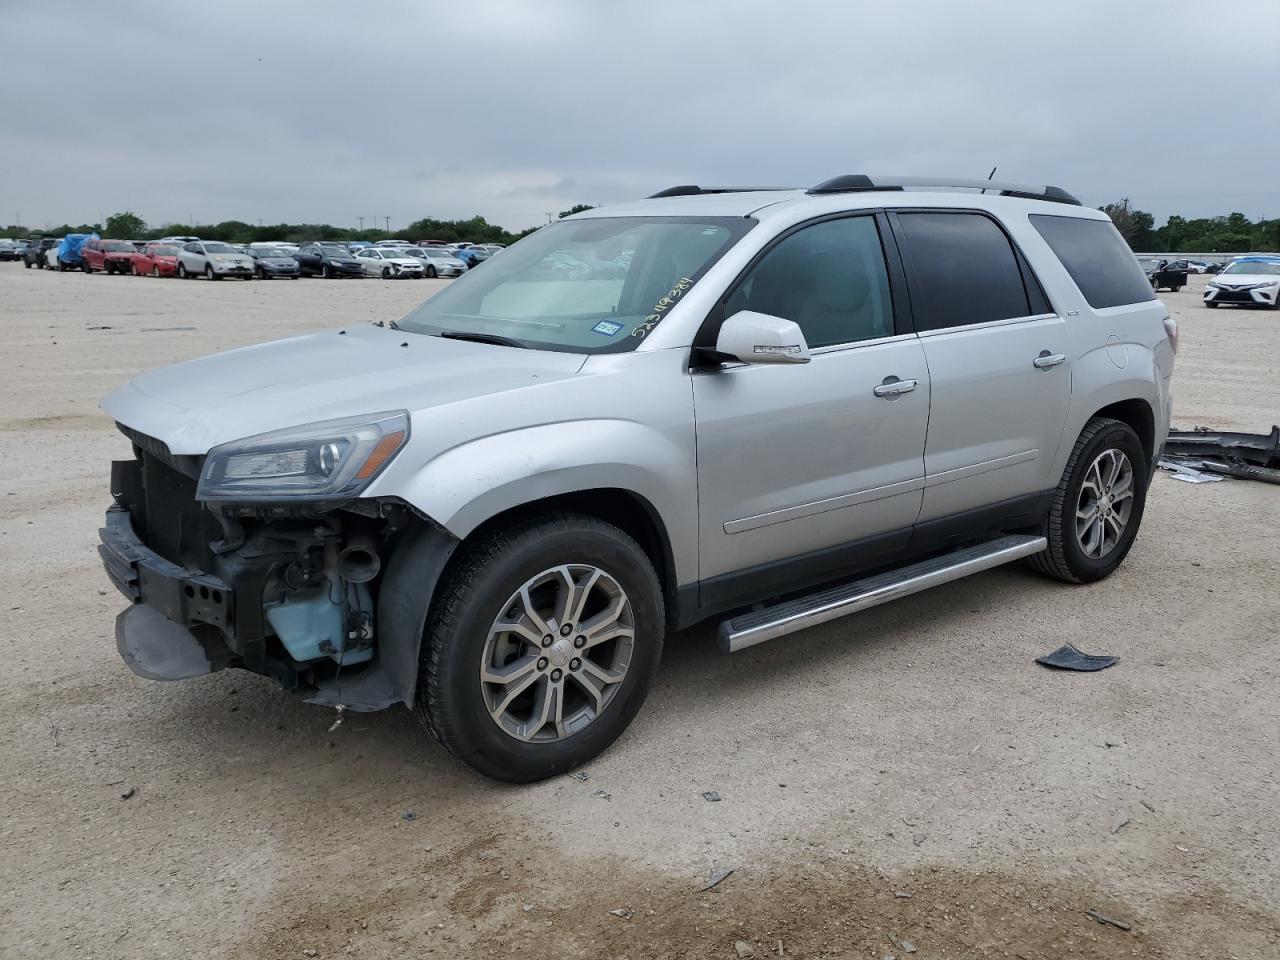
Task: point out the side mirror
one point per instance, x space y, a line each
760 338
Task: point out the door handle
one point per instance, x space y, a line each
893 387
1047 360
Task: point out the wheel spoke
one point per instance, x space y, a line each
531 611
1116 526
520 629
516 670
545 709
513 691
606 624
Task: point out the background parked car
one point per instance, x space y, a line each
329 260
390 263
271 262
109 256
1164 274
473 256
20 249
157 259
438 262
213 260
8 249
67 254
36 250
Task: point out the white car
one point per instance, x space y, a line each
213 260
438 262
390 263
1254 281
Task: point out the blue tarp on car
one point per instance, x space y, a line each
69 246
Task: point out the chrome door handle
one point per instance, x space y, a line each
1047 360
893 387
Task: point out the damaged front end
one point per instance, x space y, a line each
287 591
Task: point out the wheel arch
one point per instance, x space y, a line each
424 553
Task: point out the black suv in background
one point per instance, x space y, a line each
34 257
329 260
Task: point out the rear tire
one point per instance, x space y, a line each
482 586
1093 517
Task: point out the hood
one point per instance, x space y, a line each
1244 279
199 404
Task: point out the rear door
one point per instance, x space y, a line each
806 471
999 368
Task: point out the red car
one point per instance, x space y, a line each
157 260
109 256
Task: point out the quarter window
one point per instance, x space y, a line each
1098 259
829 278
965 270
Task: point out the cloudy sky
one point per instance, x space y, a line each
325 111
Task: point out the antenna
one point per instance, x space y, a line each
990 175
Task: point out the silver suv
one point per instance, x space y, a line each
775 407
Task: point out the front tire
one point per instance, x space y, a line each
541 646
1097 508
182 272
431 272
208 271
1211 304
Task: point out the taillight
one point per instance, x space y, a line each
1171 331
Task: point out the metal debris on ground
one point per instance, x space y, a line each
128 793
580 775
621 912
408 815
1067 657
743 949
901 895
1103 918
711 796
602 795
715 877
1203 455
1147 804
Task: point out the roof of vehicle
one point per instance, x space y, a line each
1261 258
850 192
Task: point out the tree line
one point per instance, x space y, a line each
130 226
1234 233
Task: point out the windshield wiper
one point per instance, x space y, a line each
479 338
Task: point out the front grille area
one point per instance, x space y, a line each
159 491
1234 296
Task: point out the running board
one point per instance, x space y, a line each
800 614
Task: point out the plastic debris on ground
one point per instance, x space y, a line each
1067 657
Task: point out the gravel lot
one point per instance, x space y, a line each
905 778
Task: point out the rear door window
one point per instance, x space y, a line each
1098 259
965 270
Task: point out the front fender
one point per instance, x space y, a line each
468 484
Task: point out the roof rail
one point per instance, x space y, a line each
692 190
855 182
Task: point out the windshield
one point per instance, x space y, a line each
334 250
585 286
437 253
1147 263
270 252
1269 268
412 252
163 251
219 248
118 246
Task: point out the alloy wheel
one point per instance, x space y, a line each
556 656
1105 503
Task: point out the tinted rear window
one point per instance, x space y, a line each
1098 259
965 269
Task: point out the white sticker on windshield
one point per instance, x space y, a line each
607 327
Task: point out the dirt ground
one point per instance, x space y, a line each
903 783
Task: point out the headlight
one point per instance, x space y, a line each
331 460
1215 284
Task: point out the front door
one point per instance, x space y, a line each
804 470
